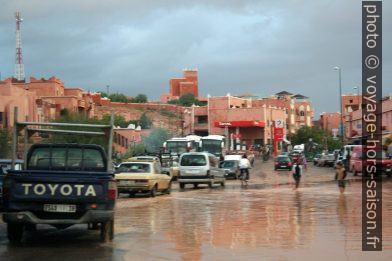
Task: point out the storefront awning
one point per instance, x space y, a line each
223 124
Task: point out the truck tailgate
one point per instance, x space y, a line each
71 187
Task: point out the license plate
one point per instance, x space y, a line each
127 182
193 171
283 166
60 208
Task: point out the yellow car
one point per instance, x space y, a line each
142 176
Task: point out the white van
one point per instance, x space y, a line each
200 168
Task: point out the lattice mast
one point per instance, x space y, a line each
19 67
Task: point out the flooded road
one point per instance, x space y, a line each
267 220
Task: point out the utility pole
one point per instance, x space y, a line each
341 103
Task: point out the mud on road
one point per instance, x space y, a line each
267 220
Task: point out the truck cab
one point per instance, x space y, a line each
61 185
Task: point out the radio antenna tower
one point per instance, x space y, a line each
19 67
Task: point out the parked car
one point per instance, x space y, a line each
142 176
326 160
356 161
283 162
5 165
316 158
200 168
239 154
231 168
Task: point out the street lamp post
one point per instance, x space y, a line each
341 105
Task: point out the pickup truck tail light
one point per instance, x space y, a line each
276 163
112 190
290 163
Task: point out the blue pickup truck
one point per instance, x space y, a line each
62 185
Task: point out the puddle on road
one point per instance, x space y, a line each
256 223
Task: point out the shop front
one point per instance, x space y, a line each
243 134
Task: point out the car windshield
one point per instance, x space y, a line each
282 159
212 146
134 168
177 146
193 160
228 164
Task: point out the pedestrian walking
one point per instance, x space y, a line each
340 176
245 166
348 158
297 172
304 162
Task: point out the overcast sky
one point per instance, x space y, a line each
135 46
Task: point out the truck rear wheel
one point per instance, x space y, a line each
182 185
107 231
15 232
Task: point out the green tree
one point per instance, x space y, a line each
156 139
174 102
119 120
64 112
118 97
144 121
103 94
135 150
140 98
82 139
5 147
322 137
187 100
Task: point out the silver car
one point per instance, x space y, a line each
200 168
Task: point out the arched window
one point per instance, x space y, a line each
301 113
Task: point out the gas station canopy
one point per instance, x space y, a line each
223 124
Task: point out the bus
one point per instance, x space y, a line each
214 144
178 146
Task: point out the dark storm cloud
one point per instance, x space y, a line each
136 46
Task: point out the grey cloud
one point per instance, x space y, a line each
136 46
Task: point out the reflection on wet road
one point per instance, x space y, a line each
266 221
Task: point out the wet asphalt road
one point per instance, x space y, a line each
267 220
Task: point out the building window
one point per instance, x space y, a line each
126 143
351 101
302 113
1 117
202 119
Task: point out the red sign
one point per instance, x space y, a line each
236 136
221 124
278 134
